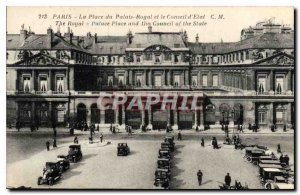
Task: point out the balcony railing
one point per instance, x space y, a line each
42 93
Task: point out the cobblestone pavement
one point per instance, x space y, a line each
102 168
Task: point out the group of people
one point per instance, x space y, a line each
48 144
128 129
253 127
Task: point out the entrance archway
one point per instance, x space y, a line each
210 117
238 114
109 116
186 119
160 118
133 118
95 114
224 113
81 113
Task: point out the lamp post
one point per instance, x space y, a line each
223 114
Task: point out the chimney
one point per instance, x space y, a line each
58 31
23 35
129 37
150 29
95 37
69 35
49 37
197 38
185 37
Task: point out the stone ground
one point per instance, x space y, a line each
102 168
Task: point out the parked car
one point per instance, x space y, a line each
163 163
161 175
51 173
164 153
64 162
169 139
123 149
261 166
75 153
268 174
167 145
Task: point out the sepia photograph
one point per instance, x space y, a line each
150 98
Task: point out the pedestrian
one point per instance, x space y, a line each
278 148
54 133
114 129
75 140
98 128
199 176
202 142
101 137
284 128
90 140
179 136
227 180
111 128
197 129
130 129
54 143
213 143
48 145
18 126
281 159
287 160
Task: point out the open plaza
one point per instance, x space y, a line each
101 168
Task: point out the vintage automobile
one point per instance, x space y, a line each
162 184
123 149
164 153
253 153
169 139
261 166
268 174
274 162
74 154
161 175
163 163
279 182
167 145
64 163
51 174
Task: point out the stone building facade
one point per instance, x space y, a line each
58 78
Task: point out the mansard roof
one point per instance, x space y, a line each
263 41
168 39
40 42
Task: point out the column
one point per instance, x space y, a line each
50 113
66 79
149 126
33 87
71 79
175 114
231 120
289 82
88 115
186 77
117 116
196 120
271 79
130 77
271 114
169 77
288 115
150 78
143 117
33 119
102 116
201 122
169 115
122 127
49 81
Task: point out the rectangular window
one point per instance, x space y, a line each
279 116
261 117
121 80
44 115
204 80
194 80
110 80
157 80
215 80
176 80
157 58
176 58
138 58
26 83
139 80
43 84
60 116
60 84
26 115
279 85
261 84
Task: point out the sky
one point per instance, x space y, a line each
228 28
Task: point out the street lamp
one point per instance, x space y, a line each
223 114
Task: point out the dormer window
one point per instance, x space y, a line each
176 58
138 58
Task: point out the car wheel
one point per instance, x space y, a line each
39 181
51 181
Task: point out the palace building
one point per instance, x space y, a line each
58 78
